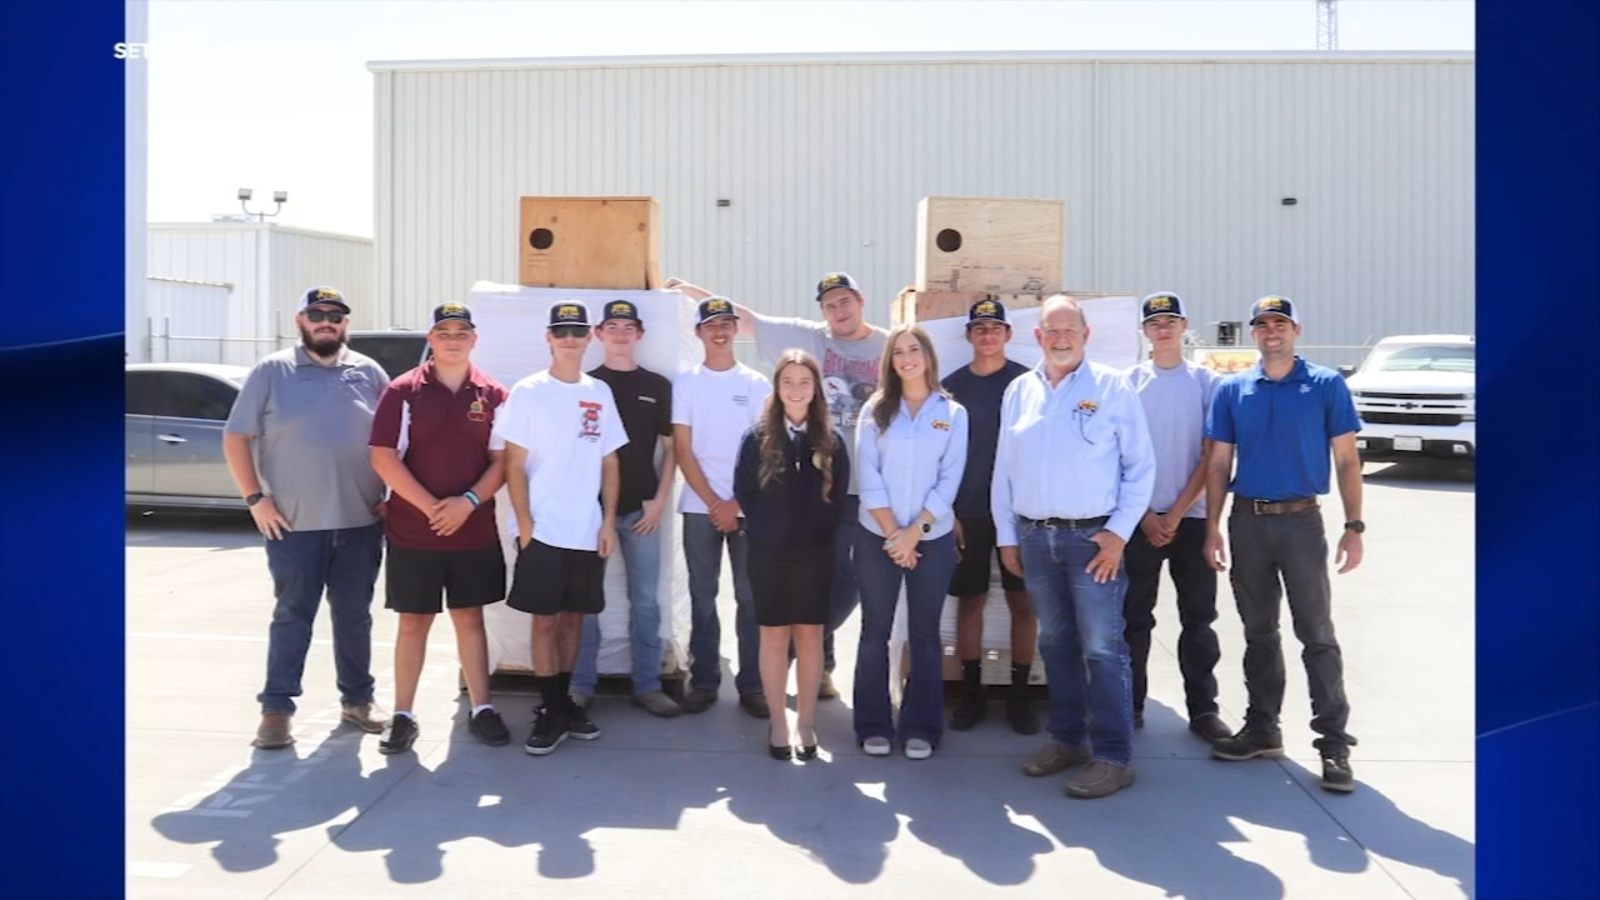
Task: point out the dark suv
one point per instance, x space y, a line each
397 351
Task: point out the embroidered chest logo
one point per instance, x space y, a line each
589 422
475 412
941 425
1305 388
741 399
1087 407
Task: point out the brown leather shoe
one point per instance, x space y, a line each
368 717
1054 757
273 733
1099 779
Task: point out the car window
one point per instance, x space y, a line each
143 393
1425 359
186 395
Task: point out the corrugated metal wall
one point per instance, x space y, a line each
269 265
1172 171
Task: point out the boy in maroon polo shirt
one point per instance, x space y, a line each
430 444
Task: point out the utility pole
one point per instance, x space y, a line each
1327 25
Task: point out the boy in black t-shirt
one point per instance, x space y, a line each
644 400
980 387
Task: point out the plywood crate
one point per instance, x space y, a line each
992 245
926 306
610 243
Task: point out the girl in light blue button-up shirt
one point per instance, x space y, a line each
910 452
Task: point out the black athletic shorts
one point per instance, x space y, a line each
422 581
548 580
971 578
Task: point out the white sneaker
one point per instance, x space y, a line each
917 748
876 746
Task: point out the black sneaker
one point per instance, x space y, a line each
549 730
487 726
1019 712
970 711
1336 772
579 726
402 734
1248 744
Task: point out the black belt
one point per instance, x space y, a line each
1273 507
1079 524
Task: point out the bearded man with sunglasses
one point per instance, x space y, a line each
296 446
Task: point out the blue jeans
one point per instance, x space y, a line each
922 705
1080 634
641 554
702 549
846 595
344 562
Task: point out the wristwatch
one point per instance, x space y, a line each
253 499
1358 526
926 526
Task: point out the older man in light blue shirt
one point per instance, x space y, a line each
1073 475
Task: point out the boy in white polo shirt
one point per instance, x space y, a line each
561 432
713 404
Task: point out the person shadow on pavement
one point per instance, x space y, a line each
500 795
279 792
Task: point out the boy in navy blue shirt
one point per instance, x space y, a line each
1282 416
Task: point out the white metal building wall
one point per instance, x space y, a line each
1173 169
269 265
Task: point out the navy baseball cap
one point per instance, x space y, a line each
987 311
1161 303
1273 305
324 295
836 280
452 310
620 309
568 312
714 308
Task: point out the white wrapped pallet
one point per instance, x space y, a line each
1114 341
511 322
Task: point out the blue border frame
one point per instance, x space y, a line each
61 532
1538 497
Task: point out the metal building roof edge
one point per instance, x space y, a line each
915 58
255 226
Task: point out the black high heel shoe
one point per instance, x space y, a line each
785 752
807 752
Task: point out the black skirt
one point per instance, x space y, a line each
792 585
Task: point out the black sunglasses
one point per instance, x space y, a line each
569 331
325 315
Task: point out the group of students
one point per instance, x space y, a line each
854 472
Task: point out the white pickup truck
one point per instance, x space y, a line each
1416 396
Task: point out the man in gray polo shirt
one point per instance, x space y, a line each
296 445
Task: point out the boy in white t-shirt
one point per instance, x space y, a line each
561 432
713 404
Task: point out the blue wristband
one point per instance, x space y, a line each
473 499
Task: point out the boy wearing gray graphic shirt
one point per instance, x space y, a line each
1176 395
849 351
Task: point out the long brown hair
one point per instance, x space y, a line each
886 400
819 425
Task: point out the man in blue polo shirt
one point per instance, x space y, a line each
1282 416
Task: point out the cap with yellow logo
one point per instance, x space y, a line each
569 312
452 311
714 308
323 296
986 311
1273 305
1161 303
620 309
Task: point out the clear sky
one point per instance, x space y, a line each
275 95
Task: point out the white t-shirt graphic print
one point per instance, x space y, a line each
718 407
567 429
